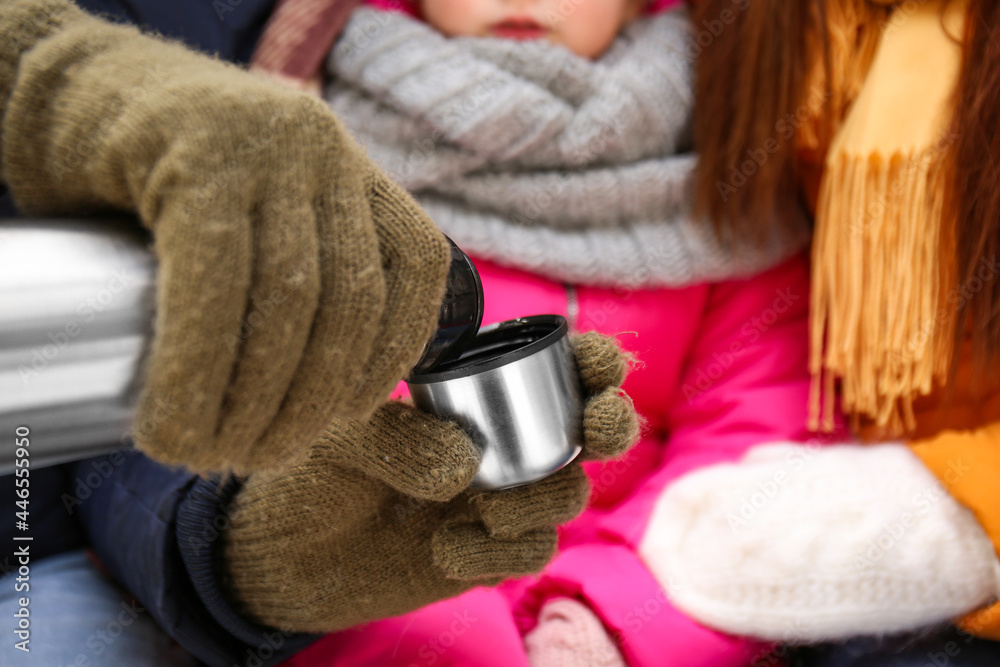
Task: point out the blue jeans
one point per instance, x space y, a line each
80 618
944 648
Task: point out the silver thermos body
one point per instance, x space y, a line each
76 313
76 307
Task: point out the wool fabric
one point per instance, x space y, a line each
568 634
295 282
533 157
889 550
411 6
378 521
300 33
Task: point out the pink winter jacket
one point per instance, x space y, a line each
722 368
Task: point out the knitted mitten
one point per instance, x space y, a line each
295 282
805 544
568 634
377 521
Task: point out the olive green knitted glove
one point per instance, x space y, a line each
296 283
377 521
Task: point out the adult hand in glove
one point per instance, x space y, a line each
377 521
806 544
295 283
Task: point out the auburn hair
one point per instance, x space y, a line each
753 73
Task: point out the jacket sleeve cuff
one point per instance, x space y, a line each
966 463
634 609
201 519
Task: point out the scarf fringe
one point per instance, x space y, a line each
881 317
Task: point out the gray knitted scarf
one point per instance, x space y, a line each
528 155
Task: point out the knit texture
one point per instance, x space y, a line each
799 544
533 157
568 634
607 365
295 281
378 521
410 6
300 34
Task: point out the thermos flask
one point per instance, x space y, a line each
76 300
76 311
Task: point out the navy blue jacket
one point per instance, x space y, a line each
228 29
158 531
155 528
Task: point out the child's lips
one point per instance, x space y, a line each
519 28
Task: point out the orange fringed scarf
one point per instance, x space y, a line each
853 31
883 256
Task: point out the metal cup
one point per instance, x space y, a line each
515 390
